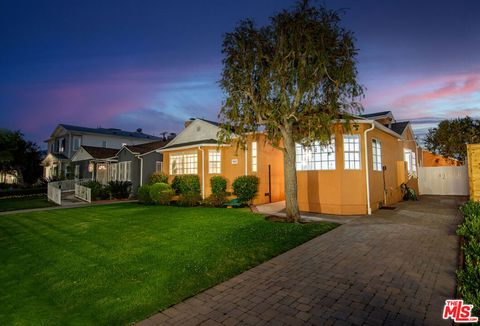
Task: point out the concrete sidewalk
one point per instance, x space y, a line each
392 268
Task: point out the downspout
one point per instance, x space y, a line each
141 170
367 172
246 159
203 171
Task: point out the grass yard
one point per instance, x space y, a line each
120 263
13 204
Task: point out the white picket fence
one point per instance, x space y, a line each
54 193
83 193
55 189
443 180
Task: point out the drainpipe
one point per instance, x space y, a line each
203 171
141 170
367 172
246 159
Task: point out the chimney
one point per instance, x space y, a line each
188 122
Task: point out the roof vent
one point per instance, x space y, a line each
139 130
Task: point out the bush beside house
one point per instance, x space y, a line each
245 187
468 276
114 189
161 193
158 177
218 197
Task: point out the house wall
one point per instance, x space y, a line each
431 160
124 156
339 191
396 169
149 165
233 162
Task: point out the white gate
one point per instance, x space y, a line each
443 180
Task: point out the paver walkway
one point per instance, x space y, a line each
394 267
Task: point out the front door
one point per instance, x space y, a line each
102 173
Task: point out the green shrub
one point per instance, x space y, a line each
157 177
98 191
186 184
161 193
119 189
468 277
143 195
218 184
189 199
216 200
245 187
22 192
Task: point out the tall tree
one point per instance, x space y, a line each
19 156
449 139
291 79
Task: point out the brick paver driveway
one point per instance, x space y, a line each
394 267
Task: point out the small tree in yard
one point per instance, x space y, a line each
291 78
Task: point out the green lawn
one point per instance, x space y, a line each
13 204
120 263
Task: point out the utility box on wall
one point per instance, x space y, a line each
473 161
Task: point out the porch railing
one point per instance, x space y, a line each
83 193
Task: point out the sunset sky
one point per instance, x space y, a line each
154 64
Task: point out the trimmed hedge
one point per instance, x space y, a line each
157 177
468 276
22 192
161 193
215 200
245 187
143 195
218 184
186 184
98 191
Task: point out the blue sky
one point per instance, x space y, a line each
154 64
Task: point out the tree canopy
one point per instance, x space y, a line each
19 156
290 79
449 139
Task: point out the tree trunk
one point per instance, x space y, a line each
290 173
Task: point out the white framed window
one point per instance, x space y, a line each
159 166
351 152
125 171
76 143
183 163
104 144
254 156
61 148
316 157
411 159
214 161
377 155
77 171
113 171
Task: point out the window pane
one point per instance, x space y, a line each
316 157
351 149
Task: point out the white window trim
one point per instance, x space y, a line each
157 163
411 158
125 171
377 155
347 163
214 161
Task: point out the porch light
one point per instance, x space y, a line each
90 167
102 167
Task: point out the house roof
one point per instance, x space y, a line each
398 127
109 131
376 114
100 152
192 143
147 147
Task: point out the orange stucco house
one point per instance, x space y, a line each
331 179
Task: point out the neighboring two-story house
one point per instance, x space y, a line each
67 139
